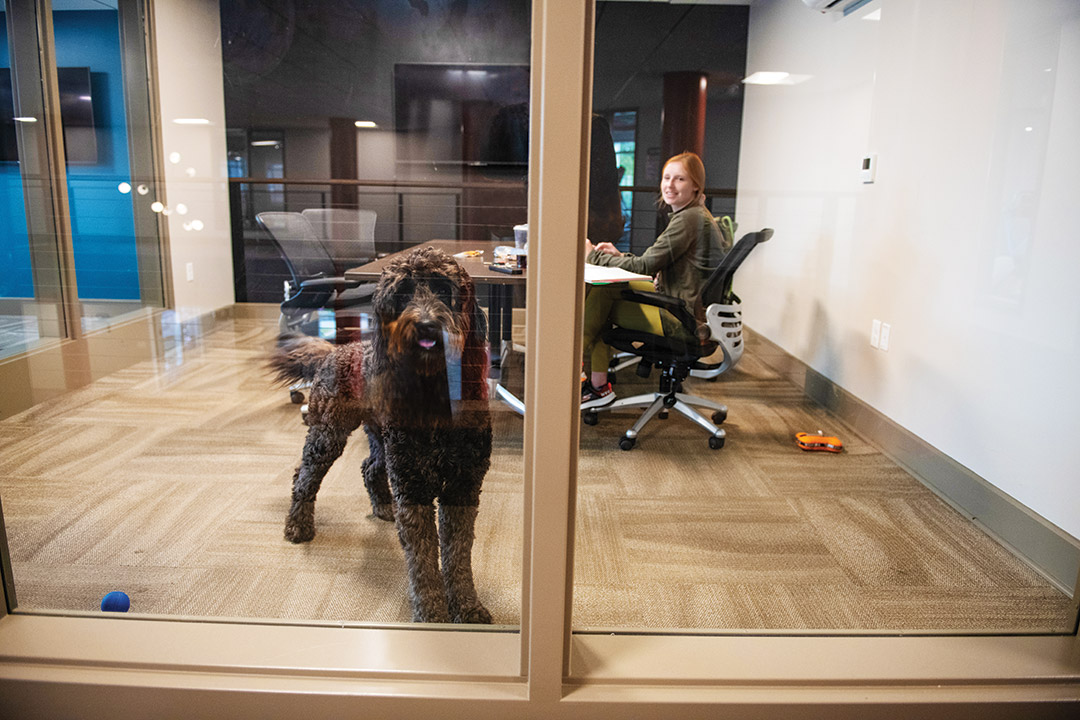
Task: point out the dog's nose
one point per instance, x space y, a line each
428 328
428 333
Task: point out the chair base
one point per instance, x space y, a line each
660 403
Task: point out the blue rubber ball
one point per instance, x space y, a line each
115 601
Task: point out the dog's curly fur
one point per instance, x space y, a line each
429 430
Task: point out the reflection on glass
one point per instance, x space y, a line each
188 480
115 245
30 309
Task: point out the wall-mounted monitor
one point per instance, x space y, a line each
76 116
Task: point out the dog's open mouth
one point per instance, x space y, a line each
426 343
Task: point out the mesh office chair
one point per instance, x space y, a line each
314 285
347 235
676 357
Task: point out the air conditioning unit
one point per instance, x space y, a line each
826 5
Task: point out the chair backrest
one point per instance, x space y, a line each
723 313
348 235
298 243
717 288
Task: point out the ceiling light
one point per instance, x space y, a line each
264 143
365 124
766 77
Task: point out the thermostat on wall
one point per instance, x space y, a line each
869 168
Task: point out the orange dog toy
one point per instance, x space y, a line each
806 441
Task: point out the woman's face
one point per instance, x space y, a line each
676 187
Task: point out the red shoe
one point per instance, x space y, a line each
592 397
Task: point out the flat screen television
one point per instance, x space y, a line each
76 116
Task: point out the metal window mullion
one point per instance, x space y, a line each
144 145
41 158
57 171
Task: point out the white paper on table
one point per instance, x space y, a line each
601 274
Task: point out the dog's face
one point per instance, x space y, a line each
420 306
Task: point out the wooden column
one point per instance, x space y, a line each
684 114
343 162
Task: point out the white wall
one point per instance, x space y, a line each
968 243
188 38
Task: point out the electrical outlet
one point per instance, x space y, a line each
875 333
886 331
190 272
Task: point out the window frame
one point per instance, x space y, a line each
109 666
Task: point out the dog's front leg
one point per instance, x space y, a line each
420 540
456 530
323 446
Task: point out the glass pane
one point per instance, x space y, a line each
31 311
104 109
351 138
697 508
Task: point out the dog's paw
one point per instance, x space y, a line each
298 533
477 614
431 616
383 512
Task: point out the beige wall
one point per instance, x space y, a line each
965 244
188 45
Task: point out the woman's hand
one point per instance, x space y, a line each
607 248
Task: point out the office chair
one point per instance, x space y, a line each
677 357
347 235
314 285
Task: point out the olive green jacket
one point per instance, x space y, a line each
681 258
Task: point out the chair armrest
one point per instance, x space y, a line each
675 306
338 284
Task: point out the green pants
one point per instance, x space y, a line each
605 307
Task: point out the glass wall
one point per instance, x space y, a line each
697 507
31 297
358 141
101 218
195 452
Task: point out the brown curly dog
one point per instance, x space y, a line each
419 387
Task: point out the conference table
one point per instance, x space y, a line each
500 285
500 291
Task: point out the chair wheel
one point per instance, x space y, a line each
296 397
716 442
719 416
626 443
663 414
590 417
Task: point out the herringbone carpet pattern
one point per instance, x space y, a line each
170 480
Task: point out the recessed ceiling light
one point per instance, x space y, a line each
365 124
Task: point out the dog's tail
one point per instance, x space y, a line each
297 357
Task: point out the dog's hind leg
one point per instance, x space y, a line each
375 478
420 540
456 531
323 446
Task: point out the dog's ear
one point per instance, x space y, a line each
474 354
